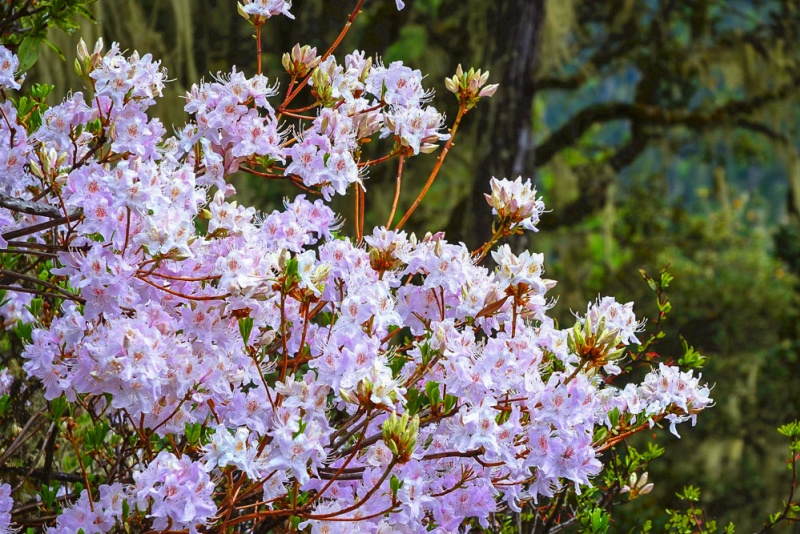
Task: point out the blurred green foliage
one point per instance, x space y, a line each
736 303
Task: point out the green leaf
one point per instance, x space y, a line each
67 26
85 13
415 401
24 105
650 282
192 432
790 430
301 429
54 48
35 306
292 273
395 484
48 495
653 452
600 434
5 404
689 493
450 402
245 329
691 359
597 521
96 435
40 91
28 53
613 417
396 364
24 331
432 389
57 407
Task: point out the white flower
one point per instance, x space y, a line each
264 9
226 449
515 202
617 316
523 269
8 66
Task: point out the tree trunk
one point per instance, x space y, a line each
504 122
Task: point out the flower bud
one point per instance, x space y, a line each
347 396
365 72
400 435
83 50
300 61
86 62
283 258
242 12
321 84
637 486
469 86
595 343
35 169
428 148
489 90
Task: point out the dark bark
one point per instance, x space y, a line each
504 141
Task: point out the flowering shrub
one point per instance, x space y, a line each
211 368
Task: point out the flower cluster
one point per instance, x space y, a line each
679 394
177 492
6 504
93 517
515 203
8 68
261 10
284 371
